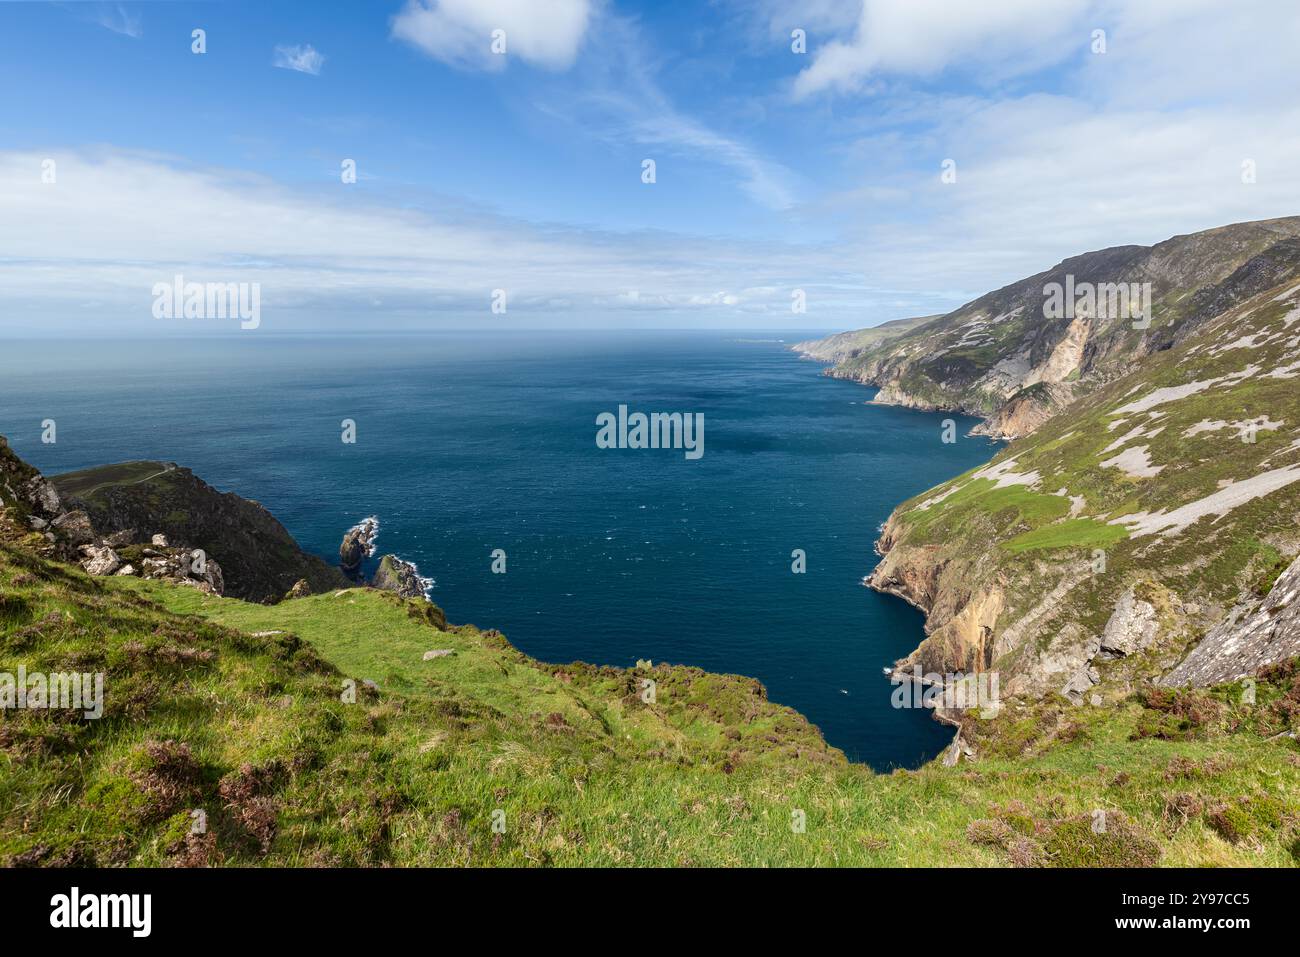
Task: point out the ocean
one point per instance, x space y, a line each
469 443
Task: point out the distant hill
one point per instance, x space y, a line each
846 345
1009 358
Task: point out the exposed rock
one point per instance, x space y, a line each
1082 680
300 589
120 539
126 570
1005 358
259 560
101 560
437 653
399 576
74 528
358 545
180 565
42 495
1132 627
1254 635
1023 412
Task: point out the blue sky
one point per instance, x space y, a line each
775 170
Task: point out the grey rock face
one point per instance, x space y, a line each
1132 626
1255 635
74 528
1083 679
100 560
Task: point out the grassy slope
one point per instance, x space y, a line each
837 347
201 714
88 481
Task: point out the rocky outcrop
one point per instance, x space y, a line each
1253 636
358 545
100 560
190 567
167 508
1132 626
959 621
396 575
1024 412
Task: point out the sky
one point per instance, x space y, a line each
799 151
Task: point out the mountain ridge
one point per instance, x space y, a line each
998 358
1148 506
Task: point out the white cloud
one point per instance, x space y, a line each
115 223
460 32
304 59
1132 146
924 37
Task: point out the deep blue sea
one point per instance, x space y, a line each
469 443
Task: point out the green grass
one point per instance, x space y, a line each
86 481
1071 533
253 730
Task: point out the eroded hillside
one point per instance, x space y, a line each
1007 358
1094 554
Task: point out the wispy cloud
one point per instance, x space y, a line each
117 18
303 59
619 99
461 32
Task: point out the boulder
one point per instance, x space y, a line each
101 560
41 495
1082 680
158 541
74 528
438 653
1132 627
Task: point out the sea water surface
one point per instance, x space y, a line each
470 443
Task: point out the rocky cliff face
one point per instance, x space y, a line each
1018 355
1255 635
33 511
133 503
1105 548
